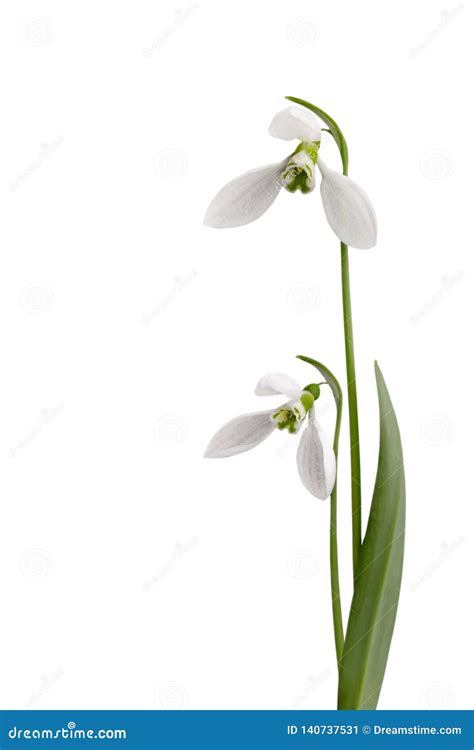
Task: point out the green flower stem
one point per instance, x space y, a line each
341 142
353 410
335 591
356 486
333 555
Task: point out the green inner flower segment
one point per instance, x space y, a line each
311 149
294 180
292 418
299 172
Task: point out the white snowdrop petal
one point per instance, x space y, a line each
295 123
349 211
241 434
316 461
245 198
277 383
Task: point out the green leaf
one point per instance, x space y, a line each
379 572
334 129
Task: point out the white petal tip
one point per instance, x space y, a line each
209 453
348 209
316 462
245 198
294 123
219 220
209 221
240 434
277 383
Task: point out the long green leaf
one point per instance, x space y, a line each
379 572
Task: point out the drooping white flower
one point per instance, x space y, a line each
315 456
348 210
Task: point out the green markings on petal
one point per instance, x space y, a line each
291 418
299 172
285 419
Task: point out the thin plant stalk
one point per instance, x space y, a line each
356 492
353 409
331 380
333 555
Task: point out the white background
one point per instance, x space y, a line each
134 574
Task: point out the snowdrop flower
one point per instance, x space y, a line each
315 457
348 209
